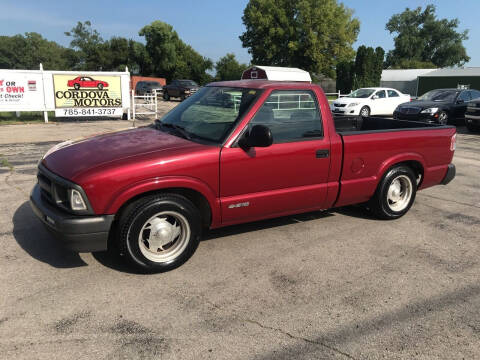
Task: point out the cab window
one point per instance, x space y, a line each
465 96
381 94
392 93
290 116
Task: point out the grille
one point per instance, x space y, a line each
410 110
55 193
339 105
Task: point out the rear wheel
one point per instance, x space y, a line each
365 111
395 193
166 96
443 118
159 233
182 97
76 86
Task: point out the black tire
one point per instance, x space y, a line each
139 214
472 127
381 205
443 118
76 86
100 86
166 96
183 97
365 111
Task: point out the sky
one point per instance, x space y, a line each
211 27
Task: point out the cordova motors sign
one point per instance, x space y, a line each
86 95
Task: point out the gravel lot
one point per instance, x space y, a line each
327 285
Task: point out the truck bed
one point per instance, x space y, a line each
371 145
353 125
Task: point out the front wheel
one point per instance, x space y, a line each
472 127
443 118
395 193
365 111
100 86
159 233
166 96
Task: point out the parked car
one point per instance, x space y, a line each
440 106
369 101
86 82
180 89
150 191
147 87
472 116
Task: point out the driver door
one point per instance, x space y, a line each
380 104
286 177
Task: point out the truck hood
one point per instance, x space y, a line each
71 158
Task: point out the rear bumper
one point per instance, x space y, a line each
451 171
77 233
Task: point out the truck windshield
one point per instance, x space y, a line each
188 83
210 114
361 93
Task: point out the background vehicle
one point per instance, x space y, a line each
276 150
180 89
440 106
147 87
472 116
369 101
86 82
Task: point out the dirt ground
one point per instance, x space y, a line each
326 285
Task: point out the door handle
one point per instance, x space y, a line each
322 153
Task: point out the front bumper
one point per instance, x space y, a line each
355 110
451 171
428 118
77 232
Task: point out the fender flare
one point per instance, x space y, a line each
155 184
397 159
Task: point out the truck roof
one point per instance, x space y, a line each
264 84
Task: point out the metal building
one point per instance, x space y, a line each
449 78
405 80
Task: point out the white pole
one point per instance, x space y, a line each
45 116
156 108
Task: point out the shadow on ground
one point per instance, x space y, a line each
32 236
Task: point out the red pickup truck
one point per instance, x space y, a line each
234 152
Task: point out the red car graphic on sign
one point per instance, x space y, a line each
87 82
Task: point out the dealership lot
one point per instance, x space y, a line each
336 284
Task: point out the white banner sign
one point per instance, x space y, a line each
74 112
21 91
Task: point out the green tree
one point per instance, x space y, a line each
228 68
92 52
421 39
310 34
29 50
345 74
368 67
171 57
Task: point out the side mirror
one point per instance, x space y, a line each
259 136
374 97
460 101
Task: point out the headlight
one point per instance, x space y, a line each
76 200
352 104
430 111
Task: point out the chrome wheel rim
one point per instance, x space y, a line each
364 112
443 118
399 193
164 236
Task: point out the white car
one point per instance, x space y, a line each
369 101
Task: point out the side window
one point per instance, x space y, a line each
381 94
392 93
475 94
290 116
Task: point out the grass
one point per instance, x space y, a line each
26 117
5 163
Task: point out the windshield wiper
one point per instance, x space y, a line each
180 130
